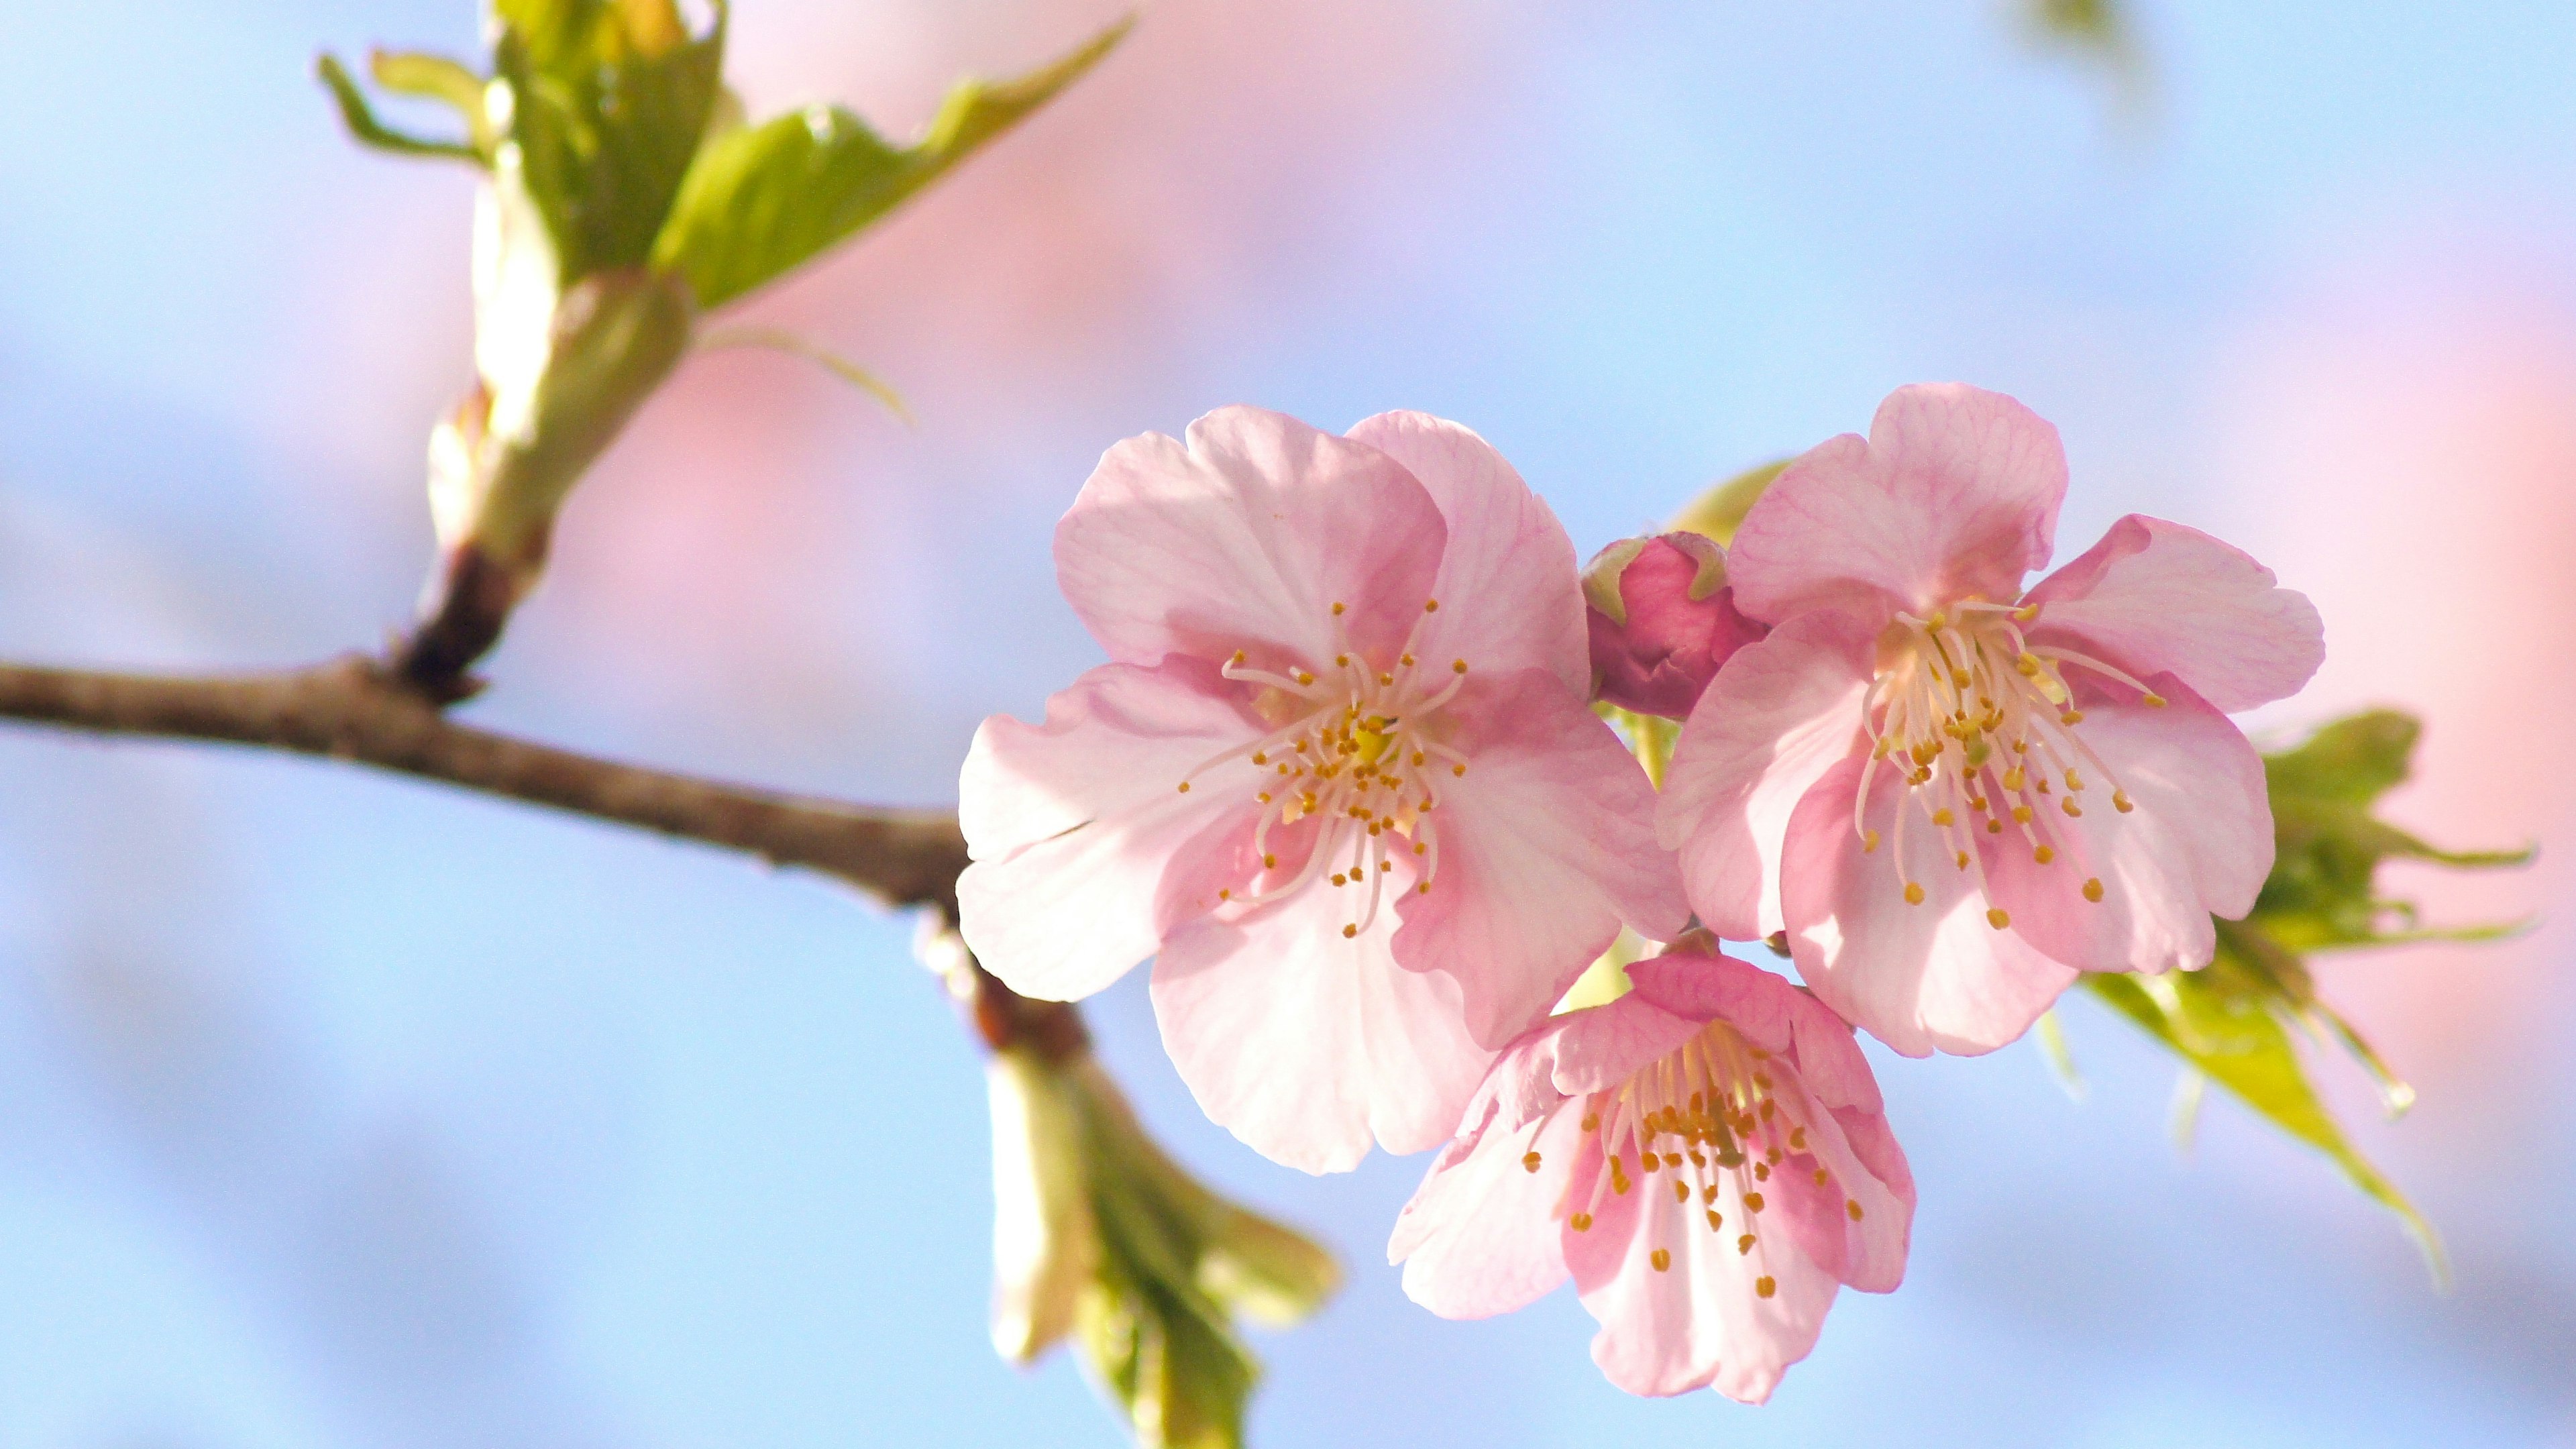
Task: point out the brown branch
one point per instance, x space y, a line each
354 709
351 709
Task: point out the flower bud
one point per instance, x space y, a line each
1662 621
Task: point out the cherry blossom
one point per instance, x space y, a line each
1952 795
1662 621
1338 779
1707 1157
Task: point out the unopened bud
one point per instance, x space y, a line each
1662 621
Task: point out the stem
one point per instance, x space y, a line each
353 709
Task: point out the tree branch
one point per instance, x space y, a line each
351 709
354 709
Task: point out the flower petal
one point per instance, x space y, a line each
1304 1043
1780 714
2154 597
1919 977
1824 1082
1480 1236
2199 842
1073 823
1507 592
1954 492
1546 844
1703 1320
1247 535
1657 649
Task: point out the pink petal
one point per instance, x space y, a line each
1506 588
1246 537
1073 824
1597 1049
1925 977
1480 1236
2198 843
1305 1043
1669 640
2155 597
1701 1322
1822 1079
1776 718
1547 844
1955 492
1867 1252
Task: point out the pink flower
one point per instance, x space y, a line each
1953 795
1707 1157
1662 620
1339 778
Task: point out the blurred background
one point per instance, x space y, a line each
338 1111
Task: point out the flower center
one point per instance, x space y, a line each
1699 1130
1357 749
1979 725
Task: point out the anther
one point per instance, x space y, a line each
1337 608
2070 807
1431 606
1744 1244
1582 1222
1591 1121
1963 860
2071 717
1457 769
1851 1206
1530 1161
1823 1177
2154 701
2043 854
2093 889
1185 787
1225 895
1349 931
2021 814
1681 1191
1763 1287
1459 665
1943 816
1914 893
1868 841
1998 917
1662 1258
1339 878
1753 1202
1716 1220
1269 862
2121 802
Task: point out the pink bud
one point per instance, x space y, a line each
1662 620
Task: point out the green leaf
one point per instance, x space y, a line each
2233 1021
437 78
363 126
2228 1028
1718 512
602 128
2322 890
765 199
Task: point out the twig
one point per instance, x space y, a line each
353 709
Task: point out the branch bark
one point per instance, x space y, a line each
355 709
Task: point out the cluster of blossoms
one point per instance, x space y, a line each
1346 781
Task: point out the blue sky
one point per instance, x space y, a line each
348 1112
